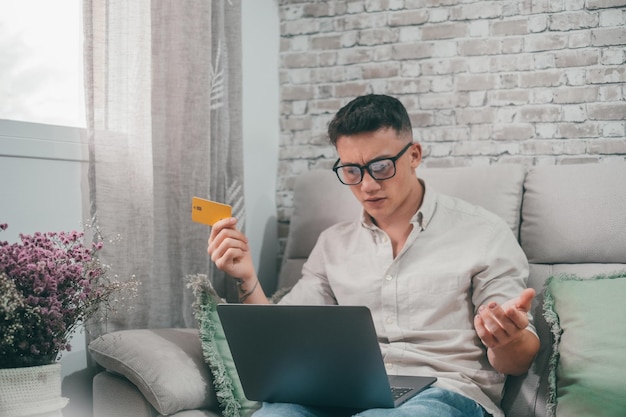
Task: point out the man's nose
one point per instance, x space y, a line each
368 183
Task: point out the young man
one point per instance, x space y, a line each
445 280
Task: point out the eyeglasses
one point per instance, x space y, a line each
379 169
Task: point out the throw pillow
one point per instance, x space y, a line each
587 364
216 352
166 365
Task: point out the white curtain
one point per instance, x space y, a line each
163 88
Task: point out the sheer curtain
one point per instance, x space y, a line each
163 88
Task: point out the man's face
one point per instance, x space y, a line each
383 199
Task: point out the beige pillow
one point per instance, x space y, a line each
166 365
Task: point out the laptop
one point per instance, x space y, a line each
323 356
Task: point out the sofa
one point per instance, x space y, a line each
570 220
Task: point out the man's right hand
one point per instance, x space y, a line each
229 249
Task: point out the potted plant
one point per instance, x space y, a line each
50 284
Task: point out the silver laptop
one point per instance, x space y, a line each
323 356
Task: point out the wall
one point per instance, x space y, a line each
260 36
531 81
42 178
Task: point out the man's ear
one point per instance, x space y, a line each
416 155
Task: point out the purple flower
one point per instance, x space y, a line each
49 282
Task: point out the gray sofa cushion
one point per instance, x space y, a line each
569 214
497 188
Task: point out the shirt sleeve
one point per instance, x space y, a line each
505 273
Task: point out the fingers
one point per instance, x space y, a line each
229 249
223 230
497 327
525 300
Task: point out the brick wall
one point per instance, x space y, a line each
526 81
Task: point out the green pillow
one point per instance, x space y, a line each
587 375
216 351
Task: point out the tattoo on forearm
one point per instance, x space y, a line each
243 294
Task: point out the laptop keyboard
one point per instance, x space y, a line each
398 392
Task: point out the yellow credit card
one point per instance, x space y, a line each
208 212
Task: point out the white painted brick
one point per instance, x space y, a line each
442 84
479 28
614 129
409 34
610 92
476 82
613 56
573 21
477 98
299 107
607 146
439 149
544 60
477 65
443 66
512 45
509 27
517 131
602 4
382 53
511 80
477 10
444 49
545 42
548 78
545 130
443 101
577 58
609 36
606 75
574 113
575 77
542 113
542 96
479 47
509 97
569 95
472 115
574 4
445 31
410 69
446 134
438 15
444 117
613 17
579 39
537 23
349 39
481 131
408 17
505 114
607 111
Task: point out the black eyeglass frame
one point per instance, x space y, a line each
367 166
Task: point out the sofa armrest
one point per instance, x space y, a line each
165 365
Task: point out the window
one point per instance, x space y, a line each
41 68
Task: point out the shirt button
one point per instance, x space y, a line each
388 277
389 366
384 239
389 320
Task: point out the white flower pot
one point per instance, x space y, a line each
33 391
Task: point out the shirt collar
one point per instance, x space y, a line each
421 218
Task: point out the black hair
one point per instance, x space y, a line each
369 113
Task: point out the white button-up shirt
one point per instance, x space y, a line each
457 257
